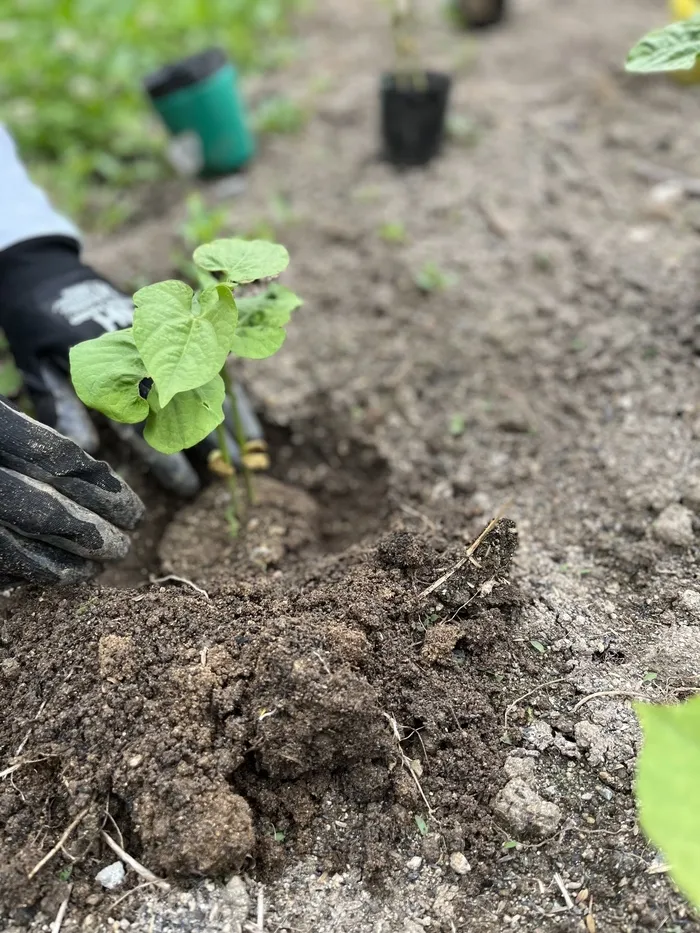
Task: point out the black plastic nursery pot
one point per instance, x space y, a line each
479 14
413 111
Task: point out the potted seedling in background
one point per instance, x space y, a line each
413 100
169 369
199 101
478 14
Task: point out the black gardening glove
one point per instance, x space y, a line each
60 511
49 301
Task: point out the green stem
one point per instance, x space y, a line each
239 434
232 511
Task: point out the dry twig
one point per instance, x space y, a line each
173 578
61 842
58 922
549 683
608 693
564 893
133 864
406 761
470 551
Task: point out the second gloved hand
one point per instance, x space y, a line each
50 301
62 514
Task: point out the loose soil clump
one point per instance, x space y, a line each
207 732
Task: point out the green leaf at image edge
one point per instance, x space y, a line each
668 788
183 338
187 419
242 261
106 374
673 48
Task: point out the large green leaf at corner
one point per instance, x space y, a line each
668 788
183 338
242 261
106 373
187 419
673 48
261 321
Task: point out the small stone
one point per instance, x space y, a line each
135 761
690 492
538 735
663 200
591 738
459 863
238 898
431 848
112 876
413 864
525 811
10 669
689 601
524 768
674 526
567 748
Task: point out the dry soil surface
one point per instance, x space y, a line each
365 757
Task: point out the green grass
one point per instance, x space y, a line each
71 90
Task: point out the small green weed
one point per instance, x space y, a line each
280 115
431 278
393 232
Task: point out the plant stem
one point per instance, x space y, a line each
239 434
232 511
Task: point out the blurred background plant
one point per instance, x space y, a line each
71 89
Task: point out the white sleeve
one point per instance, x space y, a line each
25 210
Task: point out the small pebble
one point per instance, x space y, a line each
674 526
413 864
689 601
112 876
459 863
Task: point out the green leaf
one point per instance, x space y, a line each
538 646
510 844
673 48
106 374
183 338
668 789
261 321
242 261
457 425
187 419
421 824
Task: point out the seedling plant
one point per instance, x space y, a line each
409 73
169 369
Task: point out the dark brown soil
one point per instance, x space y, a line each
210 734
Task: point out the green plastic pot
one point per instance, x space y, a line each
200 95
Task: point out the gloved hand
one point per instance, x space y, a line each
49 301
60 511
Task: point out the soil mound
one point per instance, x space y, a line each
203 732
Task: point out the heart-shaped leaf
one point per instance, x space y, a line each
183 338
106 374
242 261
668 790
261 320
675 47
187 419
